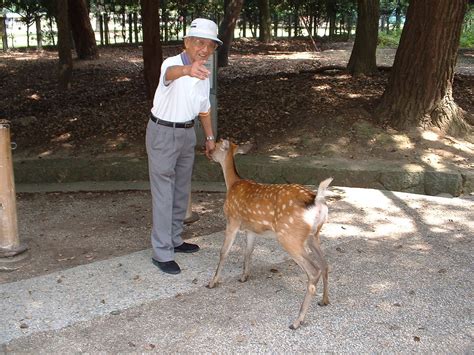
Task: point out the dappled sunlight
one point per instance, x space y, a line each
321 87
430 136
117 143
35 97
388 216
21 56
413 168
381 286
423 247
279 158
62 137
298 55
353 96
381 228
46 153
402 141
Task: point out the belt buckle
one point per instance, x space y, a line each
188 124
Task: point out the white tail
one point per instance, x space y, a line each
293 212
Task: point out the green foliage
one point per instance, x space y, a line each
467 35
389 39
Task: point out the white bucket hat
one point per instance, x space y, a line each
204 28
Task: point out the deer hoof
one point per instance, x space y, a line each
244 278
294 326
211 284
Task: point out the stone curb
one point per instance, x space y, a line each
412 178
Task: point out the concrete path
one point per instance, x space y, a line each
400 281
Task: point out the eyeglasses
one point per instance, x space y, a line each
201 43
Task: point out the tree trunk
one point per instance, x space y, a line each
64 45
152 51
130 27
265 34
398 15
135 26
106 28
331 13
101 29
363 61
419 91
226 30
50 26
82 33
28 35
165 15
3 32
39 34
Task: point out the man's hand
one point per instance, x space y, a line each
210 146
198 70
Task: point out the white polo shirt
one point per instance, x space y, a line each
182 99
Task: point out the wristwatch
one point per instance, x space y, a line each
210 138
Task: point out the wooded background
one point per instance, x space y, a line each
419 92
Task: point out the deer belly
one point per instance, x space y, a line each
256 225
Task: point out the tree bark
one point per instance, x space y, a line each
152 51
265 34
82 33
363 59
419 91
3 30
64 45
226 30
39 34
331 13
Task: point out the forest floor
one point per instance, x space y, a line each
269 94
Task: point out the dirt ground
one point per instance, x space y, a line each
93 226
267 95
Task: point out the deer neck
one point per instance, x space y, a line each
230 172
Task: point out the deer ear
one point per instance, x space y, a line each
225 144
244 148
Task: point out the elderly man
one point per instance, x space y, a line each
182 94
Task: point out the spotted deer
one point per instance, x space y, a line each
294 213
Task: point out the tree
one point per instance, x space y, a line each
419 90
265 34
64 45
39 33
82 33
226 29
331 10
3 32
363 59
152 51
30 12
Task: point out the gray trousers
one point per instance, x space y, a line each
170 164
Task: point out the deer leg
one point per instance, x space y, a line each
248 254
313 277
231 231
321 261
313 272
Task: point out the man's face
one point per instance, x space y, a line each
199 48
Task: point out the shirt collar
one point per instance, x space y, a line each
185 58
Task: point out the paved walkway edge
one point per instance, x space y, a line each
413 178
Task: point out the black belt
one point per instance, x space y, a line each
188 124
